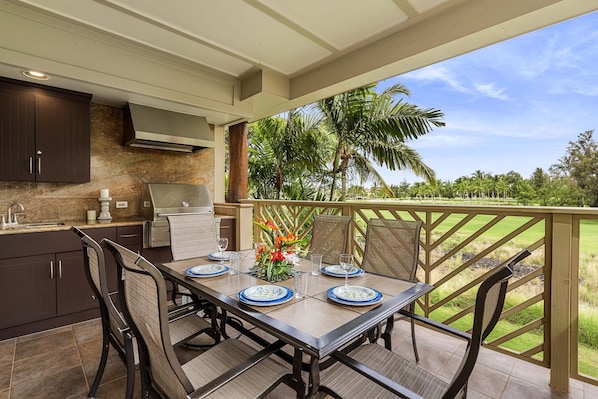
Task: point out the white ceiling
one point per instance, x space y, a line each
233 60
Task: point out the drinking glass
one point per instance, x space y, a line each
222 245
346 262
235 262
300 284
316 264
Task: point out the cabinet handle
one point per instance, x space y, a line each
59 269
51 270
39 166
30 165
128 235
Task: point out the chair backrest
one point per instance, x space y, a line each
329 237
143 293
95 270
489 302
392 247
192 236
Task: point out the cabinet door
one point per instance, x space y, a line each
17 132
73 291
27 290
62 135
228 230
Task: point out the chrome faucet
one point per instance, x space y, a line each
12 216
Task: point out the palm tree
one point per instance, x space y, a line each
282 152
372 127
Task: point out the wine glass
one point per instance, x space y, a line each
346 262
222 245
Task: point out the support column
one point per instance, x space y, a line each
237 154
560 303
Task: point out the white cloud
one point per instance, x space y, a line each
437 73
490 90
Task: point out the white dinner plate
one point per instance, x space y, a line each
354 293
208 270
288 295
377 299
337 271
264 293
216 256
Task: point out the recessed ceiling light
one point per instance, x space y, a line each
36 75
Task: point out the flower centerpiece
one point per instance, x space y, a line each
276 258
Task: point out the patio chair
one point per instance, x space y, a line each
191 236
390 375
115 330
392 249
230 369
330 235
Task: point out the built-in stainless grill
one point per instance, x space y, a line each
162 200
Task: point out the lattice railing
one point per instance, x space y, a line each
459 247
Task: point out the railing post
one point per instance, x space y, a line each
560 302
347 210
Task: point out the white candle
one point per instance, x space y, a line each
104 193
91 215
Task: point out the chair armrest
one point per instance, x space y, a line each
437 325
378 378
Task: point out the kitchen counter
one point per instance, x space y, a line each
84 224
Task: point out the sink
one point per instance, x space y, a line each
34 225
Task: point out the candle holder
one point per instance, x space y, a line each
105 209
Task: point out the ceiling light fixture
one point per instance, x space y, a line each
36 75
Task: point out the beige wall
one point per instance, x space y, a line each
122 170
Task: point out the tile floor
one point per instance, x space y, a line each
61 363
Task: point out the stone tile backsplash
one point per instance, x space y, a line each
122 170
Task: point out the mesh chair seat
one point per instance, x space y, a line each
115 329
330 235
143 294
217 360
191 236
392 249
346 379
348 383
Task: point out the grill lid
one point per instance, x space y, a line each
161 200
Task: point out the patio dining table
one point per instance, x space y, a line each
313 325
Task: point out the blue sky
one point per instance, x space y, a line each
512 106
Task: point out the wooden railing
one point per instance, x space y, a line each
460 246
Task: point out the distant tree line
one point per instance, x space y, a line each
572 181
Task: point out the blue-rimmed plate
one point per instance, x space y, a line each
216 255
374 300
354 293
209 270
264 293
337 271
287 296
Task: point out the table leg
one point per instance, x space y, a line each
297 368
314 377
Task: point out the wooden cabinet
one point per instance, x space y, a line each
43 282
17 133
228 230
45 133
27 290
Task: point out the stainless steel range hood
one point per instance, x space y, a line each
160 129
